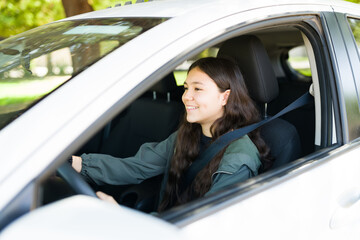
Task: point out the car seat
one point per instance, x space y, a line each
249 53
150 118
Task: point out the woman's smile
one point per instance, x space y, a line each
190 108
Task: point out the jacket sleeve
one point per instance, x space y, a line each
149 161
222 180
240 162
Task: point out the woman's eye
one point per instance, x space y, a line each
197 89
185 88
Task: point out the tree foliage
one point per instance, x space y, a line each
20 15
17 16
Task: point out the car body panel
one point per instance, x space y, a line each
314 208
76 214
180 8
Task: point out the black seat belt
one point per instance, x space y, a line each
205 157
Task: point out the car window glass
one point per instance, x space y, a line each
180 72
120 136
35 63
353 118
355 28
299 61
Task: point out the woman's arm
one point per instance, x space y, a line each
149 161
222 179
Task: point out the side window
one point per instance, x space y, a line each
355 28
35 63
354 101
180 72
24 84
158 110
298 61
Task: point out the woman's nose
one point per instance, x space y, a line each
187 95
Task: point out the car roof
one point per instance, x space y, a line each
173 8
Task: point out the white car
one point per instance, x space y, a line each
110 80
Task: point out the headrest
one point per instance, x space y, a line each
165 85
249 53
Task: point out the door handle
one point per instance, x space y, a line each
348 211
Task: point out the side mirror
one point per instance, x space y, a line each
84 217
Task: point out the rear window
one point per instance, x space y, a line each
180 72
35 63
299 61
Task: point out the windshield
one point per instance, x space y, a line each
35 63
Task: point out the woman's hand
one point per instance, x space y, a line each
106 198
76 163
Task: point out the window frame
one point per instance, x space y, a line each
308 25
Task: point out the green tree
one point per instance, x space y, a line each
354 1
17 16
20 15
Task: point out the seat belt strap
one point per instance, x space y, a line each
205 157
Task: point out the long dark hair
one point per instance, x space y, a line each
239 111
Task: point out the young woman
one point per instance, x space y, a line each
216 102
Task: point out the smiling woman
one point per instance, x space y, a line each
216 102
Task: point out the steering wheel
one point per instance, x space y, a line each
74 179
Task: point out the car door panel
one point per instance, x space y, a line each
322 196
308 199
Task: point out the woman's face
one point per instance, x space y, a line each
204 103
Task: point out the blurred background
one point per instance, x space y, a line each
17 16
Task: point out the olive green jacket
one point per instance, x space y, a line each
240 162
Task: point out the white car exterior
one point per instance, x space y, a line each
314 197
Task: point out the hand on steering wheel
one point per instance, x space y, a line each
70 173
74 179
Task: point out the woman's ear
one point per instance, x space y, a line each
225 97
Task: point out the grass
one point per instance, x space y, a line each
305 71
25 91
301 65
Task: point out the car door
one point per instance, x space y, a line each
316 196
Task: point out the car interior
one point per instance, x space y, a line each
273 83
